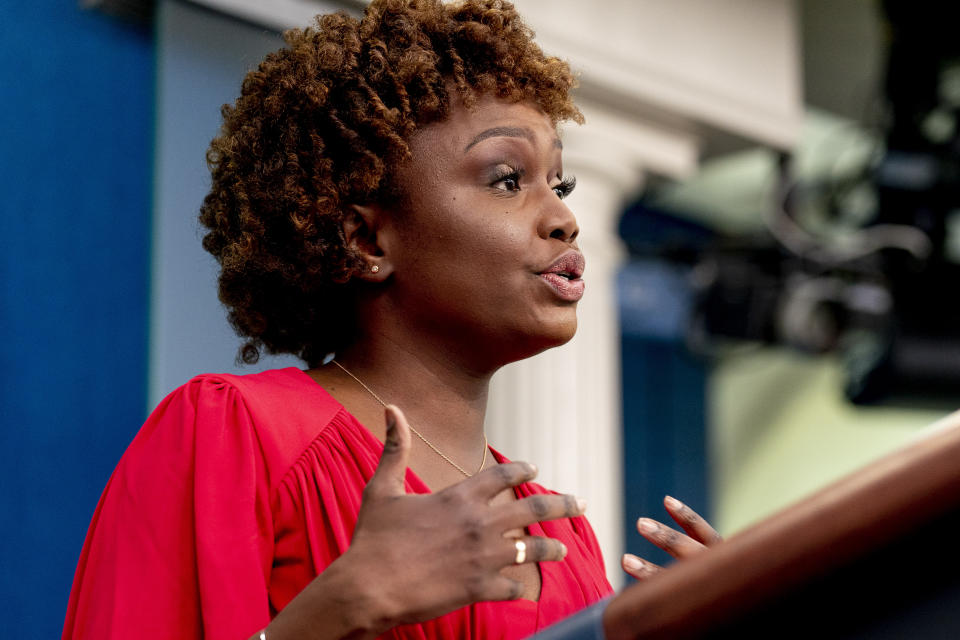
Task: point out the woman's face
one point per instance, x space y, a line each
484 255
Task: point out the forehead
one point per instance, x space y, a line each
488 117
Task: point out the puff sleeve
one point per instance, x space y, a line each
181 542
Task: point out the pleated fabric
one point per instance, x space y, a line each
236 493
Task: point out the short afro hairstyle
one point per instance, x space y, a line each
322 124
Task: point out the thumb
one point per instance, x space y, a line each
388 479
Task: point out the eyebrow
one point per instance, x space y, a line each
507 132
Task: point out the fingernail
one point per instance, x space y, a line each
582 504
673 503
632 562
563 550
391 427
532 468
646 526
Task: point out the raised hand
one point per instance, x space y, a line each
699 535
416 557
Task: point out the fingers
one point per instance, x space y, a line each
638 567
673 542
492 481
699 532
388 479
695 526
528 549
500 588
525 549
538 508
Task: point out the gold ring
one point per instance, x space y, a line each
521 552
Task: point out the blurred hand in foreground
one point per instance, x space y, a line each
698 537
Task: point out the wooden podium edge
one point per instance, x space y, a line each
832 527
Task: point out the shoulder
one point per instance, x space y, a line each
273 415
277 395
274 388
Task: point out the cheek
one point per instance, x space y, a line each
501 233
470 236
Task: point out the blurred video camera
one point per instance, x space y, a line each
874 273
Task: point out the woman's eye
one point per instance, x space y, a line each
565 187
509 182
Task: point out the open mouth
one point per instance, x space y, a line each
564 276
569 266
565 285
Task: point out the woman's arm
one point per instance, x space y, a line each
336 604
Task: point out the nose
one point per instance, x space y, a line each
558 221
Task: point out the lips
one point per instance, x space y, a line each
564 276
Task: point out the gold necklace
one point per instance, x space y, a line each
417 433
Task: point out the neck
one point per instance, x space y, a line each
442 400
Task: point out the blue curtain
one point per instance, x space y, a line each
664 385
75 164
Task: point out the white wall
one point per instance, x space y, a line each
202 58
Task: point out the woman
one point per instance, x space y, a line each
391 191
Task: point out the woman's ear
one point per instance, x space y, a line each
362 233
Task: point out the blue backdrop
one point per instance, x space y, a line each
74 259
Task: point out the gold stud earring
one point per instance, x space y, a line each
375 269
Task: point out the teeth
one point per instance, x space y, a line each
563 274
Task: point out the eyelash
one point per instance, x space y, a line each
508 173
564 189
566 186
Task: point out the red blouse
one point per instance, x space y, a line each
236 493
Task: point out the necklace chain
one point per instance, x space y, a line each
417 433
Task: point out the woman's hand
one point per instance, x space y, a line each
699 536
416 557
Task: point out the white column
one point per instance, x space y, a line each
561 409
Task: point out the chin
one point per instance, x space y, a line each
564 334
554 334
563 326
525 339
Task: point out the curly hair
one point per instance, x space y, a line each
322 124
